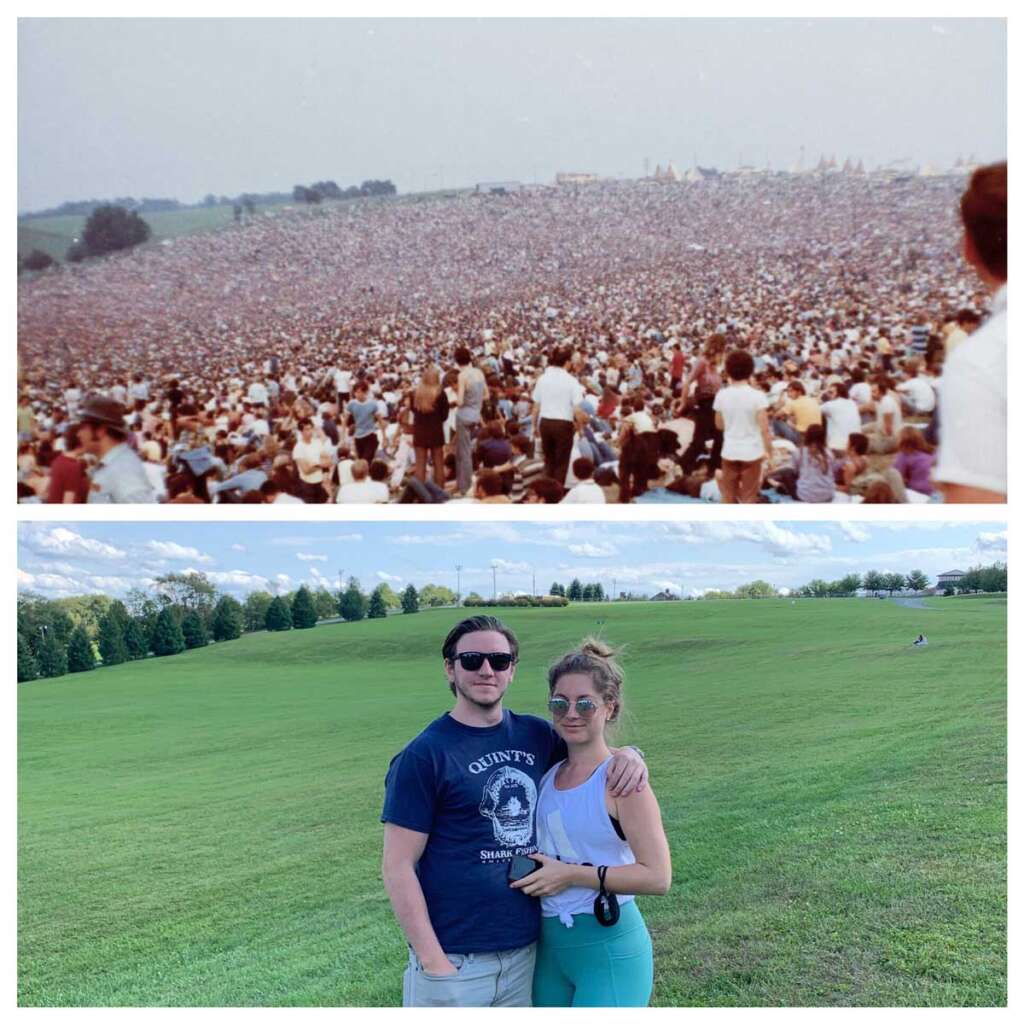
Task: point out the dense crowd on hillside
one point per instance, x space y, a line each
615 342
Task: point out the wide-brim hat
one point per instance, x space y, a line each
101 409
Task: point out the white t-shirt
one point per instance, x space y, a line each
889 403
739 405
920 393
843 419
861 393
972 413
311 453
586 492
366 492
557 393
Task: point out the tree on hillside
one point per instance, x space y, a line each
28 668
893 581
279 615
80 655
377 608
575 591
758 588
38 260
410 600
391 599
113 649
557 590
352 602
227 620
136 640
303 610
874 582
167 635
433 596
188 590
112 228
323 601
193 629
917 580
847 586
469 598
144 608
255 610
51 656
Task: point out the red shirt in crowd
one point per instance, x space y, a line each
67 474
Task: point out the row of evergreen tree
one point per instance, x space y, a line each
577 591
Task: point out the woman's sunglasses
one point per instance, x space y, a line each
472 660
559 707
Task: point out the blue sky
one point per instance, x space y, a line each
64 559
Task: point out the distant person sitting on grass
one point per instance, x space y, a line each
921 640
459 804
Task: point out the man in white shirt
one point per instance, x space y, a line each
585 492
918 395
741 412
555 398
842 418
363 490
311 457
884 433
972 404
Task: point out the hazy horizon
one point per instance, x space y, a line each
178 108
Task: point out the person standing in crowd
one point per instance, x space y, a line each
556 398
471 393
705 379
312 459
741 413
119 476
69 482
429 410
366 420
972 400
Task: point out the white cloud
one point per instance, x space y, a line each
663 585
240 548
503 566
780 542
992 544
58 540
853 531
388 578
168 549
303 557
589 550
283 578
238 578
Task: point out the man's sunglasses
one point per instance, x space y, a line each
472 660
559 707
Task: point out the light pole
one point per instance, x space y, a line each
458 585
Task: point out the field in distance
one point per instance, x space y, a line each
203 830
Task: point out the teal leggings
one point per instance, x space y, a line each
590 965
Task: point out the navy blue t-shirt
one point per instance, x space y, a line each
474 791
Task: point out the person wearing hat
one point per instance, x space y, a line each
119 477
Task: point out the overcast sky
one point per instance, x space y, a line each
60 560
183 107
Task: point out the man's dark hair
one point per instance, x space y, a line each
739 365
983 211
583 468
859 443
559 356
489 483
462 356
378 470
305 422
967 316
477 624
548 489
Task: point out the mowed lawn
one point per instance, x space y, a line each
203 829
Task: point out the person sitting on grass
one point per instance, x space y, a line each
914 461
815 468
586 491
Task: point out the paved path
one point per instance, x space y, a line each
913 602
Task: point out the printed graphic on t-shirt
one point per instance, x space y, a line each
509 799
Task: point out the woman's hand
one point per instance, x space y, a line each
552 878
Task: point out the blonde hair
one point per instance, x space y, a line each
426 394
596 659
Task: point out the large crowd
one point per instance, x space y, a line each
737 339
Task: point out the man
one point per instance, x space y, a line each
555 398
119 476
972 400
586 491
459 804
312 458
365 421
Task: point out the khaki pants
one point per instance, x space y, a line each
480 979
740 482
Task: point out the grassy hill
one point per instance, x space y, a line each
203 830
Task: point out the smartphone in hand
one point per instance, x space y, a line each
520 867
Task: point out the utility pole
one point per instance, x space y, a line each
494 581
614 589
458 585
534 582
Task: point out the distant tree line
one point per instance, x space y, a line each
321 190
577 591
84 207
516 601
183 611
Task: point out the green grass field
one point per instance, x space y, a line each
203 830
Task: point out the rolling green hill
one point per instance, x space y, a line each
203 829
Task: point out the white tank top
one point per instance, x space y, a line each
574 826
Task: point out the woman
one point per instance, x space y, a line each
914 461
815 468
706 374
585 956
429 410
471 394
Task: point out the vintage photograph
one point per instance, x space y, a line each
493 764
500 260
